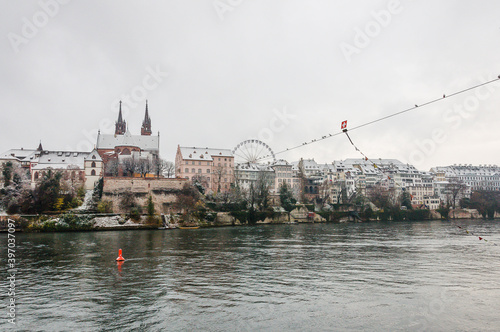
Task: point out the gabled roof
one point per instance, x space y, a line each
10 158
281 162
17 153
194 153
94 156
128 140
61 160
147 143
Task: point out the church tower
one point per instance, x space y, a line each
146 124
120 125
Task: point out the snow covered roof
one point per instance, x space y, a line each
144 142
281 162
9 158
195 153
94 156
61 160
467 170
17 153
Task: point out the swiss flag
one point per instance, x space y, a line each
344 124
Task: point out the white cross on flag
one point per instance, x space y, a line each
344 125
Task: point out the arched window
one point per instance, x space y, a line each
193 170
126 151
93 164
93 157
36 175
93 172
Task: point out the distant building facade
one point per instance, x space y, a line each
80 168
213 168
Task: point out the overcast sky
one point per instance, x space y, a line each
216 73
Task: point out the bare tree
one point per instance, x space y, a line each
324 193
382 198
455 188
186 200
218 173
169 170
144 166
129 166
161 167
262 186
111 168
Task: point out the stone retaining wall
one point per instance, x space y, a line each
163 191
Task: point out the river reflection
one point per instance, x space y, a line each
370 276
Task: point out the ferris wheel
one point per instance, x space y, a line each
252 151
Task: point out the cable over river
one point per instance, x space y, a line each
399 276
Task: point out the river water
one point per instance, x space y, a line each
313 277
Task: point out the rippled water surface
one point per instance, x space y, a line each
314 277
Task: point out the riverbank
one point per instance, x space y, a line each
100 222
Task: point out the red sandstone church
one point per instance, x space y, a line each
123 145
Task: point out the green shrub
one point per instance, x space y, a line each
66 222
135 214
81 192
210 216
105 207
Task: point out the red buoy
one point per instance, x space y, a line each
120 257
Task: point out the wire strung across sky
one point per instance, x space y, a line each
382 118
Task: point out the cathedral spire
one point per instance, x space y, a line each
40 148
146 124
120 125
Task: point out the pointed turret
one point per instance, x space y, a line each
40 148
120 125
146 124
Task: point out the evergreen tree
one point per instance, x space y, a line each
47 191
286 197
406 200
7 173
150 207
